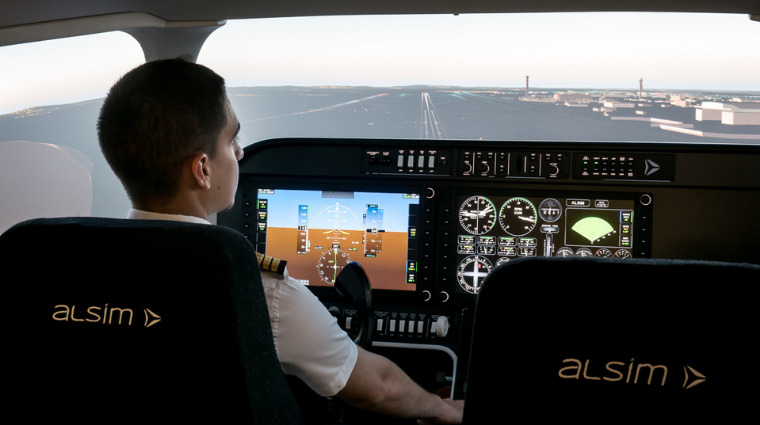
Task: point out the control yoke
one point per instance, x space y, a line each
353 284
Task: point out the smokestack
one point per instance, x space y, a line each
526 84
641 87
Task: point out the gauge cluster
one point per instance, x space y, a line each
495 228
428 220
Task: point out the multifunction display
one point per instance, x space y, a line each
319 232
496 229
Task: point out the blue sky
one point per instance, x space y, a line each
342 212
601 50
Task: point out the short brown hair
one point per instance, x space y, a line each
156 117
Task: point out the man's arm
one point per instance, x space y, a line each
378 385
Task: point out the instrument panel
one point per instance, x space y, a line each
429 223
393 232
478 205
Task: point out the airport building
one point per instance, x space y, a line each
570 98
740 113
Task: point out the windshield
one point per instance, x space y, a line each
518 77
559 76
50 96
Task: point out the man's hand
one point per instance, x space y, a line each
378 385
451 414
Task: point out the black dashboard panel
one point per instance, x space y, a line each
432 218
698 201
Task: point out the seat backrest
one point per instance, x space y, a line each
607 341
133 320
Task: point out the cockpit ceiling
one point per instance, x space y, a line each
22 12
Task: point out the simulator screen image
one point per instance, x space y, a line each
496 229
319 232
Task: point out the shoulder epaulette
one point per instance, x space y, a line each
271 264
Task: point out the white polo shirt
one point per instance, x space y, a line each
308 340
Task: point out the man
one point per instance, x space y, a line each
168 131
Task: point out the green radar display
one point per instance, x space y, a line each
593 228
599 227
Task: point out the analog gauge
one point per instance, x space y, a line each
603 252
584 252
477 215
331 263
472 271
550 210
623 253
564 252
517 216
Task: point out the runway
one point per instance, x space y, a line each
430 126
435 113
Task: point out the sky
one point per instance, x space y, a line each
284 209
588 50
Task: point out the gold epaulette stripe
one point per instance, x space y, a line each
271 264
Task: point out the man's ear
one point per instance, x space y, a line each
199 170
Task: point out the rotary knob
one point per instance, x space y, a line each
441 326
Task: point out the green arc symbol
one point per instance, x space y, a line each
592 228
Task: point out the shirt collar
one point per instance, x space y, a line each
147 215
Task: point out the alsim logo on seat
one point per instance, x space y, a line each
692 377
629 372
105 314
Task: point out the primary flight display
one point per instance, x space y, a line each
318 232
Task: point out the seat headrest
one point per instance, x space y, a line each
140 320
606 339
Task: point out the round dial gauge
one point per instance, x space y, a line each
623 253
517 216
550 210
501 261
477 215
603 252
331 263
472 271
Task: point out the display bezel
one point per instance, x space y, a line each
471 261
248 195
